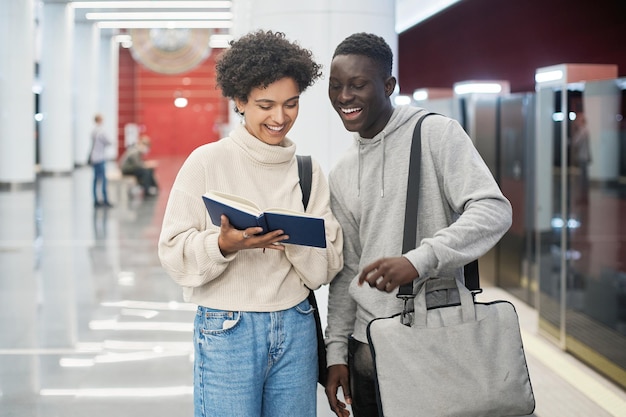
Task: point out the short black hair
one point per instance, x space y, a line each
260 58
370 45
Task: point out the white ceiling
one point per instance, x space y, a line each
411 12
408 12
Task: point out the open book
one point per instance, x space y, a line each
302 228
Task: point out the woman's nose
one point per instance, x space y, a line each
278 115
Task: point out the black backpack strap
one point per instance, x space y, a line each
305 171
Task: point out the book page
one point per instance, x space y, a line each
278 210
236 201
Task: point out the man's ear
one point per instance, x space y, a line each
390 85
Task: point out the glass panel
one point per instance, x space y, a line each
516 123
596 276
569 200
549 233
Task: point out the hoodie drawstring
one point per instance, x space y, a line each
382 163
358 186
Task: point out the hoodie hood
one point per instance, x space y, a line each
399 117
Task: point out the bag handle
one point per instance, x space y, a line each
468 308
472 280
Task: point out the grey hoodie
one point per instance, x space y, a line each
461 215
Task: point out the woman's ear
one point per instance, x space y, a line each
240 106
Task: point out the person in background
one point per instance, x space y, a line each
463 213
132 163
254 334
97 158
582 155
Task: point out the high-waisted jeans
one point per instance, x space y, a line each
250 364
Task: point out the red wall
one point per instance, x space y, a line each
509 40
147 99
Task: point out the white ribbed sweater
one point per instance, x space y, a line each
249 280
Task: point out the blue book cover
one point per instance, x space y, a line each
302 228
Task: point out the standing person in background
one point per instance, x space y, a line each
132 163
97 158
582 155
463 213
254 334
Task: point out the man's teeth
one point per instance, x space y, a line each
348 111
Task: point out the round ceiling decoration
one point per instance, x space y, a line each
170 51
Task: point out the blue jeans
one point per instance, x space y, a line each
250 364
99 175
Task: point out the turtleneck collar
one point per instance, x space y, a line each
261 151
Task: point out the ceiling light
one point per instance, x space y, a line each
151 4
478 88
151 24
402 100
420 95
159 15
547 76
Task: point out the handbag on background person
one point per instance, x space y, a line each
464 359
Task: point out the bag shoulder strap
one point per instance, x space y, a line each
305 171
409 240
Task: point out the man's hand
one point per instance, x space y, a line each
387 274
338 376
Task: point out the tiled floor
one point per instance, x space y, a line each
90 325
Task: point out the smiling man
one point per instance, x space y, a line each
463 213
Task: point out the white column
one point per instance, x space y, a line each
55 144
319 26
85 87
108 93
17 125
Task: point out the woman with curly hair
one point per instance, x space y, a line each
254 332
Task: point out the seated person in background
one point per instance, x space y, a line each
132 163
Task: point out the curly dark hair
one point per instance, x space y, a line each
260 58
370 45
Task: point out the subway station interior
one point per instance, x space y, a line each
91 325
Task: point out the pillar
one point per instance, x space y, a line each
108 73
17 125
55 144
85 87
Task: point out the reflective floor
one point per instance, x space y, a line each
90 325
